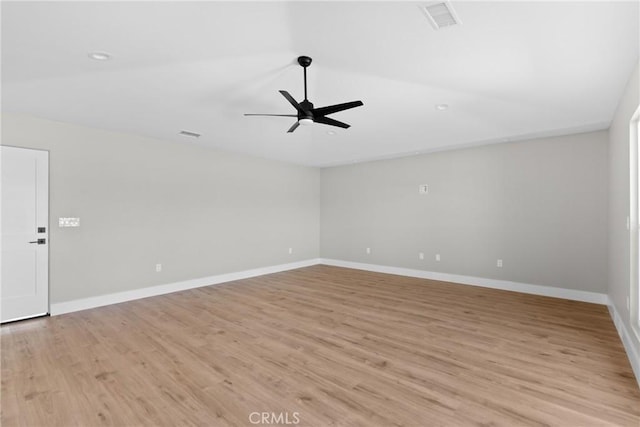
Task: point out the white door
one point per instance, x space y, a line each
24 222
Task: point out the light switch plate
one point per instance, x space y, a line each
68 222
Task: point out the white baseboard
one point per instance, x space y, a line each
98 301
549 291
627 341
118 297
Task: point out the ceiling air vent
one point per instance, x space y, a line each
189 134
440 14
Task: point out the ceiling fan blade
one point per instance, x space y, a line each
331 122
291 100
273 115
323 111
294 127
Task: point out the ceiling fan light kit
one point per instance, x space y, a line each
306 113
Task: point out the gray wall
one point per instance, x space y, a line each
619 201
540 206
198 211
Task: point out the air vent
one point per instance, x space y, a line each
189 134
440 14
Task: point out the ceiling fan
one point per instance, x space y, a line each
306 114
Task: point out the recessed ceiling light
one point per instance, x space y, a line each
99 56
331 132
442 107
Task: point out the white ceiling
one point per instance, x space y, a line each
511 70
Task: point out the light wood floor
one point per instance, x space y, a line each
338 347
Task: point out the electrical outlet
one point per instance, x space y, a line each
368 250
423 189
290 251
499 263
158 268
438 257
421 255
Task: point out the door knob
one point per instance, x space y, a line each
40 241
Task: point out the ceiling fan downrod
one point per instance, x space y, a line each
304 61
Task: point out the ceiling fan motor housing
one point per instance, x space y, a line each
305 111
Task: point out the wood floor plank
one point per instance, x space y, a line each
337 347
